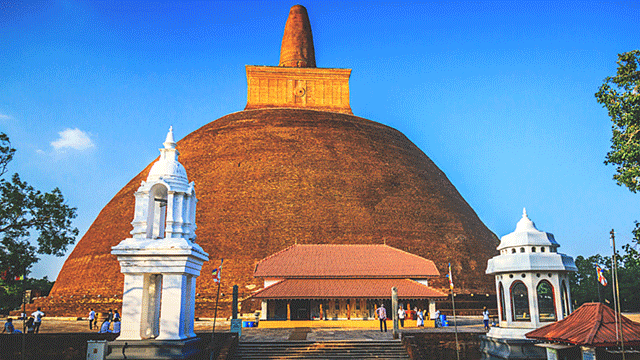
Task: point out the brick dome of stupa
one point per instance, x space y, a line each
295 167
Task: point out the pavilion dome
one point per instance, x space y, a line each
526 234
529 249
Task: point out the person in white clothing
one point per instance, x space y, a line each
420 318
401 315
37 316
92 319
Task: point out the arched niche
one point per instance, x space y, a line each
520 302
157 212
546 301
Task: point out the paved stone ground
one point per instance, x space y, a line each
465 324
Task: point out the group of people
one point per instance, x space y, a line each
105 327
31 326
381 312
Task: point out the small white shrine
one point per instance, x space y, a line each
161 260
532 287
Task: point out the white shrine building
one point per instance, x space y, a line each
161 260
532 281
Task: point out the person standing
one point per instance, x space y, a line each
437 318
110 316
92 318
37 315
382 316
401 315
116 316
485 318
420 318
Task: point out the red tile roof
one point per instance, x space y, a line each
591 324
346 288
340 261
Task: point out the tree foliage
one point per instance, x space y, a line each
10 292
31 222
584 283
620 95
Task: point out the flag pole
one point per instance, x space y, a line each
617 294
215 313
453 305
24 312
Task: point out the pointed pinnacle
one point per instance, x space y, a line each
297 43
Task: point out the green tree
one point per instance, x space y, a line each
584 283
620 95
31 222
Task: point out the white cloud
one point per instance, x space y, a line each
73 139
4 117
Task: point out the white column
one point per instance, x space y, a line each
506 284
432 308
531 283
263 310
132 307
191 306
173 312
168 231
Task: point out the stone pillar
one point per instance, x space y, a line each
234 306
131 316
394 307
173 316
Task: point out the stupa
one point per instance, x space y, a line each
294 167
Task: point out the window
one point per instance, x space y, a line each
542 249
533 249
546 303
520 302
503 310
521 250
337 304
513 251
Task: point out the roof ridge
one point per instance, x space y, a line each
272 255
414 255
597 323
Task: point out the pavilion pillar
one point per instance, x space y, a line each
394 308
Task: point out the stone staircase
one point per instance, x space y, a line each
348 349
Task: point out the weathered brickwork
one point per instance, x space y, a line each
266 179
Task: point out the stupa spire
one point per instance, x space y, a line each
297 43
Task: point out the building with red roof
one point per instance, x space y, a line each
590 329
304 282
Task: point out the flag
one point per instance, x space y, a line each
217 271
601 278
18 278
450 277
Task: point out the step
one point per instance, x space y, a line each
357 349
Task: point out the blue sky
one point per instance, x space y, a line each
500 95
